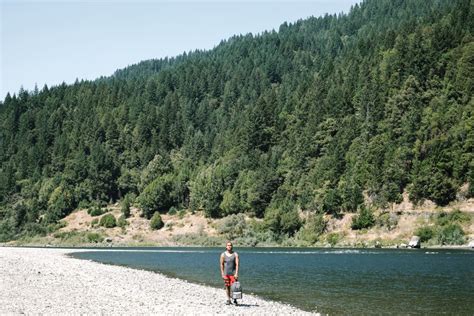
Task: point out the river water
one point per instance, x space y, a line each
330 281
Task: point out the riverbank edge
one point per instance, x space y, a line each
106 245
37 280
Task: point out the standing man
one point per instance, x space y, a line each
229 269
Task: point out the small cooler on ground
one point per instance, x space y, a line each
236 290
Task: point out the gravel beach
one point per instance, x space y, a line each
46 281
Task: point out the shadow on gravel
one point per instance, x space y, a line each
247 305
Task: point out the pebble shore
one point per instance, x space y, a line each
47 281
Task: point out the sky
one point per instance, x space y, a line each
50 42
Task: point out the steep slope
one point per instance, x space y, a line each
329 116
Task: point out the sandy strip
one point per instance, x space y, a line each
45 281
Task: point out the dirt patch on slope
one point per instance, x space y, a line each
138 228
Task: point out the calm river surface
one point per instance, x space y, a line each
332 281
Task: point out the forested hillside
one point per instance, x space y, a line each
328 115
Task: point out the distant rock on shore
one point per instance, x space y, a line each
415 242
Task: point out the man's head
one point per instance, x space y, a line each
228 246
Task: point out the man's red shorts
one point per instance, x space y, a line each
229 279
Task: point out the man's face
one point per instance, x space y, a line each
229 246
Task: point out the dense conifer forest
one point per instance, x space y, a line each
332 114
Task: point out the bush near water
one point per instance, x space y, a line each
156 222
108 221
364 219
446 229
313 117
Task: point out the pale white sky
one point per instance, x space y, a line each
48 42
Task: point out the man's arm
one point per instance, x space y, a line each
222 265
236 265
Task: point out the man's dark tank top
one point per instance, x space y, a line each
229 264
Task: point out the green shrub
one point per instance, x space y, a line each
172 211
451 234
108 221
66 235
333 239
247 241
34 229
156 222
94 222
365 219
460 217
181 214
257 233
425 233
314 227
95 211
197 239
6 230
455 216
282 218
388 220
442 219
51 228
290 222
126 207
94 237
122 221
447 230
232 226
83 204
